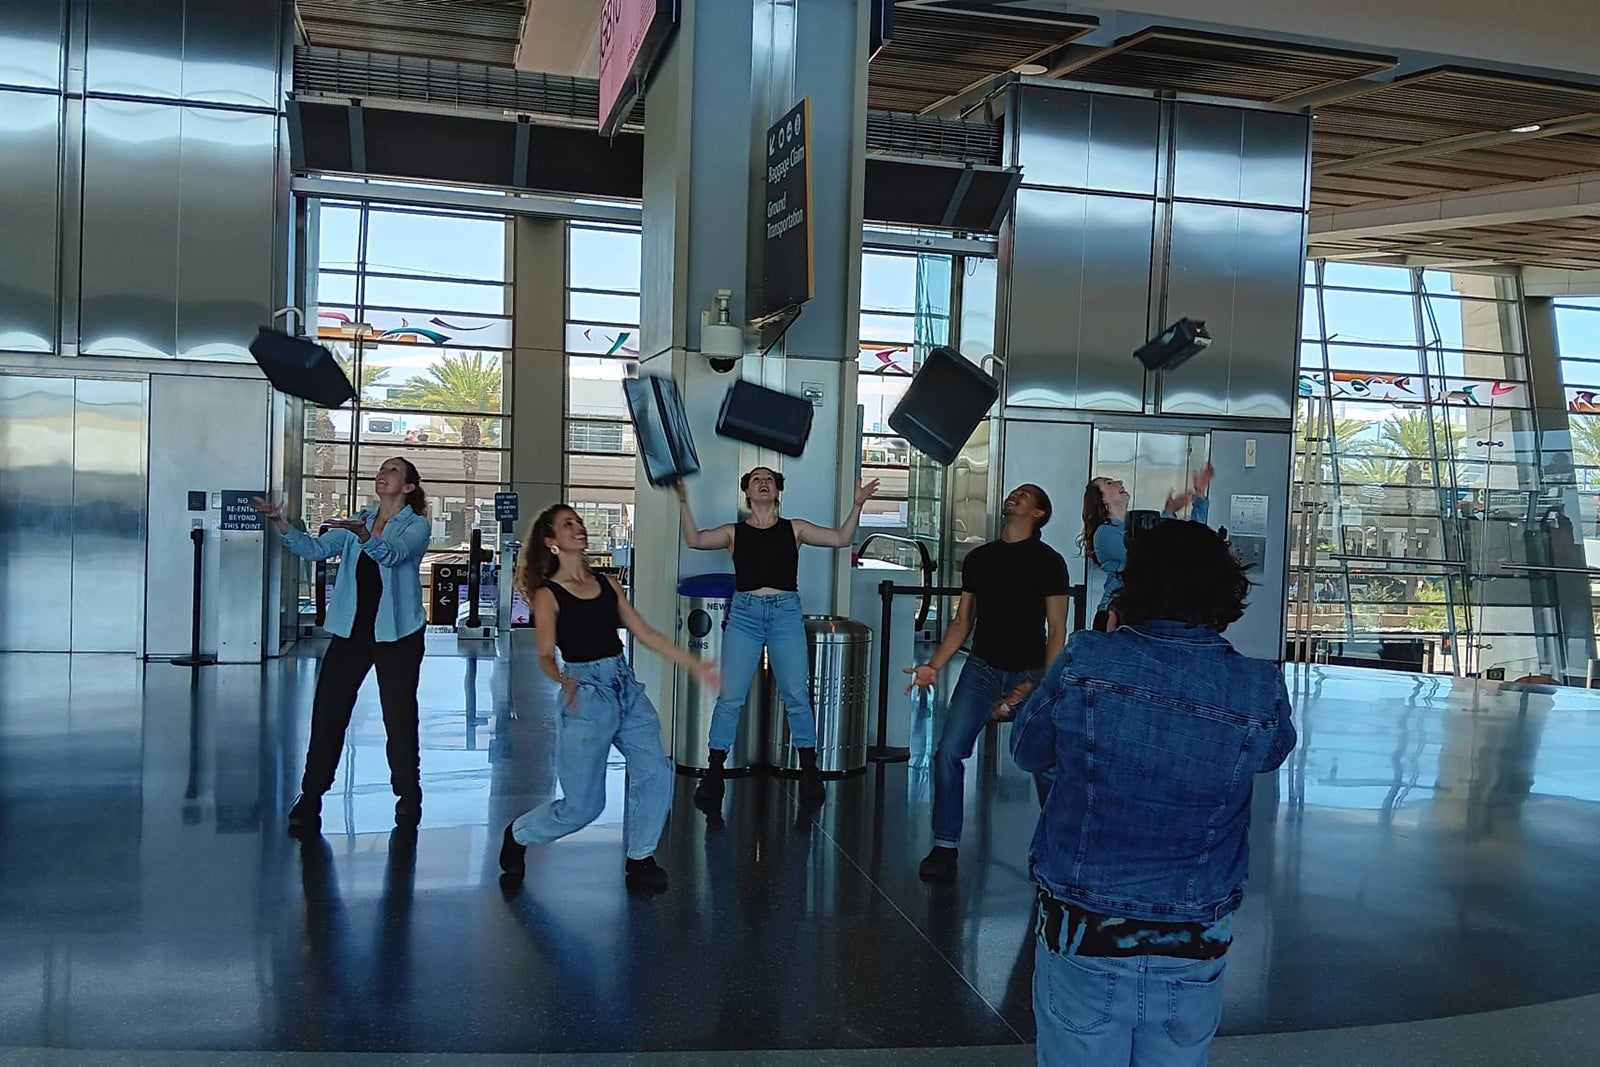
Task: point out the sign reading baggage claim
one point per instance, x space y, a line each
787 271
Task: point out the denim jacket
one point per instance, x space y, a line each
1153 735
397 552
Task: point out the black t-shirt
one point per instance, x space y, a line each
1010 580
369 591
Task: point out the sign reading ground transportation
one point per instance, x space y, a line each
238 512
787 268
631 35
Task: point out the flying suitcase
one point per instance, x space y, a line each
947 399
661 428
301 367
761 416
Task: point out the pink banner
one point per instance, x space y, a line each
626 26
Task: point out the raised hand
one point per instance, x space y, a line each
267 508
865 490
1202 480
1176 502
356 524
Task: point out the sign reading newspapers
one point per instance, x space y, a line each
788 272
631 35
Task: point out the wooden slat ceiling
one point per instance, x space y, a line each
463 31
936 55
1454 128
1218 65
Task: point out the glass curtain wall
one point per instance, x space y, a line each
415 305
603 264
1578 334
1414 400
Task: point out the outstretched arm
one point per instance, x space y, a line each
693 536
296 540
656 642
925 674
809 533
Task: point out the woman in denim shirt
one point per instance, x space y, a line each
375 619
1154 733
1105 509
765 613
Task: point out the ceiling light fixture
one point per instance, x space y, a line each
1031 68
1532 127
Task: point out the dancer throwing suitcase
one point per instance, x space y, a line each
603 704
766 612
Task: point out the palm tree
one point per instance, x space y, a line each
1419 438
1585 440
464 385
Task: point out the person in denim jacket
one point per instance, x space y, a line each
1154 733
1104 537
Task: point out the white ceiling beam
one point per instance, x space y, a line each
1554 198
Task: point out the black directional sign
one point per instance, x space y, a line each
788 272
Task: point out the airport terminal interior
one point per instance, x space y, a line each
498 218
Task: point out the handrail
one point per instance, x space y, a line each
1396 559
1539 568
929 565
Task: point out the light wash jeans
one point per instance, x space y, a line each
772 620
612 709
1142 1011
977 691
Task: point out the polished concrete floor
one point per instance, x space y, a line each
1423 877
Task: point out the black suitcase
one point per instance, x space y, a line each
761 416
661 428
947 399
301 367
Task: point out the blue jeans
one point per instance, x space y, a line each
977 691
772 620
1144 1011
612 709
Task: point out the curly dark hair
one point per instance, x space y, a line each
1183 572
536 563
1095 515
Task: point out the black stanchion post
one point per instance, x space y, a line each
194 658
881 752
473 566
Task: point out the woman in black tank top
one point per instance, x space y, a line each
602 703
765 613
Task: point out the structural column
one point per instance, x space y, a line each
731 69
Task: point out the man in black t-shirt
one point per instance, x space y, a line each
1018 588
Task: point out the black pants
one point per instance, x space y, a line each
344 667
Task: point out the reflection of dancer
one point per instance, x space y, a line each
1105 509
1018 587
603 704
1155 733
766 612
376 619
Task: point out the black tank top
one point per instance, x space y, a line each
587 629
765 559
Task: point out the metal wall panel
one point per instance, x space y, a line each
1088 141
108 516
231 52
31 32
1239 155
1079 289
1237 268
1260 632
30 127
35 512
135 49
130 228
1055 457
226 230
206 434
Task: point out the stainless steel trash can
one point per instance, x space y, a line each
840 658
703 602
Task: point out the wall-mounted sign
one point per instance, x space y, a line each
631 35
505 506
789 278
238 513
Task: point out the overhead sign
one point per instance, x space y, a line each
238 512
788 274
631 35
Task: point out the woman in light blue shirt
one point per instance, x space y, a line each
1105 510
375 619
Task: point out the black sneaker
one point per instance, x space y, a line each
646 874
938 866
305 816
408 810
513 856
